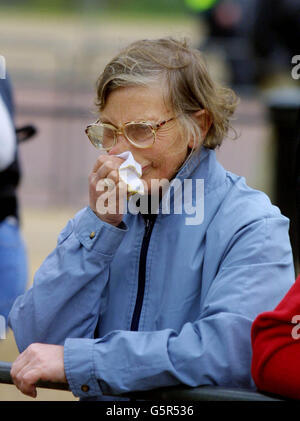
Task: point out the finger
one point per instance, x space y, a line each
101 159
27 380
107 167
113 201
101 173
21 361
19 377
114 176
105 184
108 183
109 161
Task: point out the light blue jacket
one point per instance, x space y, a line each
204 286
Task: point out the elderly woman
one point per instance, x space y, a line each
134 300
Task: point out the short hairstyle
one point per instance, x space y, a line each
189 87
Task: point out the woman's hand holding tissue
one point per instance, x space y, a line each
107 192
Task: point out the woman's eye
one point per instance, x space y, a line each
108 133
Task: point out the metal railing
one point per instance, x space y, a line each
6 378
178 393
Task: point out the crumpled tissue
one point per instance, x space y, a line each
130 172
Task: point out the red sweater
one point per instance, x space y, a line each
276 347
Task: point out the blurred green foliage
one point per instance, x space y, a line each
126 7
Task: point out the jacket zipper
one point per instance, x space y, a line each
142 273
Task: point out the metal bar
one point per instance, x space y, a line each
203 393
181 393
6 378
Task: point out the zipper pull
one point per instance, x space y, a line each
147 226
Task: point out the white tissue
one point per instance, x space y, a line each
130 172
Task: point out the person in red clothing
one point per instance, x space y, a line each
276 347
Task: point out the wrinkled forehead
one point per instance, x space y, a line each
135 103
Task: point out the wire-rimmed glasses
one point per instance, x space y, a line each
140 134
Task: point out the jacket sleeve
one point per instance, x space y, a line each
276 347
215 349
65 299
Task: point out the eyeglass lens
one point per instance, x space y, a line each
139 133
103 137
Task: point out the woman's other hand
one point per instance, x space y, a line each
38 362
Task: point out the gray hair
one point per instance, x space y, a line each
189 87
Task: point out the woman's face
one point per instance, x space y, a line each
166 155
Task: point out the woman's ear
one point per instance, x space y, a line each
204 121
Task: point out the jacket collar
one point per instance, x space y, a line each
203 164
192 163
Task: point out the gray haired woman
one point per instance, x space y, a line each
138 300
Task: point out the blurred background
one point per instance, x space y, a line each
54 52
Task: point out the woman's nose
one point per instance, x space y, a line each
121 145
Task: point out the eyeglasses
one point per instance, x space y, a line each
141 135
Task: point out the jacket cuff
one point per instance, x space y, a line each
79 367
97 235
